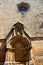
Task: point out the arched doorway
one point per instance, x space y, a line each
20 45
21 48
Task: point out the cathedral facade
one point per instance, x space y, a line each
30 14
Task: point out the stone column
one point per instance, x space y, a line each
10 57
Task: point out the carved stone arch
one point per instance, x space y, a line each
20 47
19 38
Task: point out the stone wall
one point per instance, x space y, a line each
37 52
32 19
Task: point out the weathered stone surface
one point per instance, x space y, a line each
31 19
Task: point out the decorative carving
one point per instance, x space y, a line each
21 50
21 46
18 28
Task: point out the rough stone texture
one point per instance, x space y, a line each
37 52
37 48
31 19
